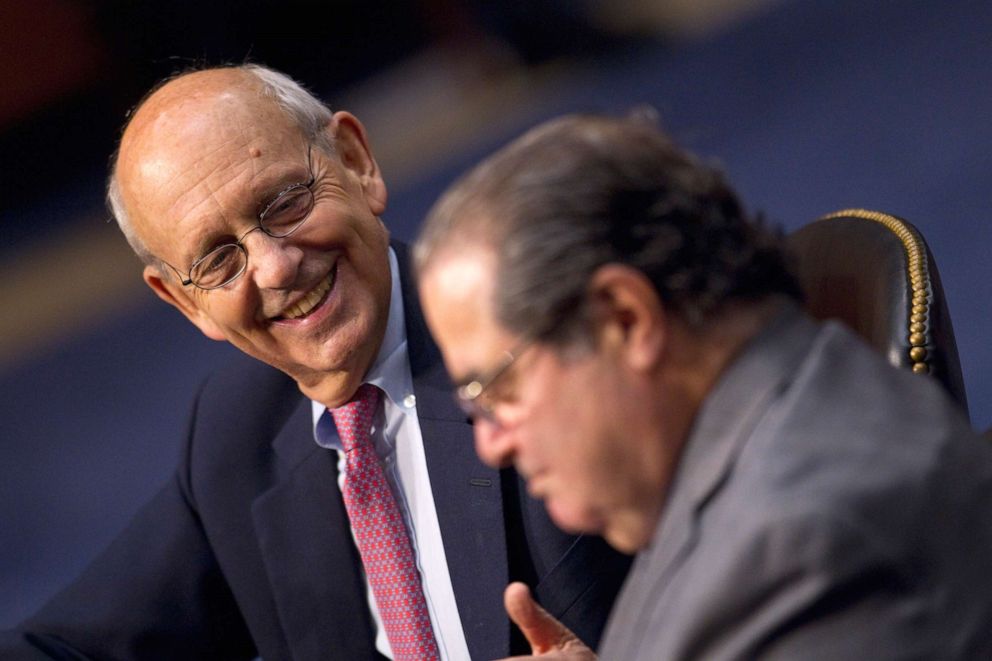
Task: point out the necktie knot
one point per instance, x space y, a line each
354 419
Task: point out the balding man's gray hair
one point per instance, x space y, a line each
308 112
582 191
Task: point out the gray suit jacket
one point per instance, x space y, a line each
827 506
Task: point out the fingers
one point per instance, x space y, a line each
543 632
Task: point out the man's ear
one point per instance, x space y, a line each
347 135
628 315
171 293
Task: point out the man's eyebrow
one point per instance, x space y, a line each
263 195
204 242
206 234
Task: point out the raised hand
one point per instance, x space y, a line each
549 639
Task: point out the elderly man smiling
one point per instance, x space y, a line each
256 211
631 341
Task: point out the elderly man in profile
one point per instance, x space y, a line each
257 213
627 338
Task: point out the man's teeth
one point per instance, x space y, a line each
310 301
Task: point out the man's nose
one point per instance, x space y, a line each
273 262
493 443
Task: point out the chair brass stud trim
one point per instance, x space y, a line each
918 272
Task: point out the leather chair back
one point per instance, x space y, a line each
874 272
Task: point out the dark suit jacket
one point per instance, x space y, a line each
247 550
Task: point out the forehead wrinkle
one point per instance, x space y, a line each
210 211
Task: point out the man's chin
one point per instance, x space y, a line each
332 388
572 519
329 371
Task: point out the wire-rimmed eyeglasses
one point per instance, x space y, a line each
471 396
282 216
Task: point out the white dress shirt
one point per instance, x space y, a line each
400 446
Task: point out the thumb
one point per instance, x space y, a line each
543 632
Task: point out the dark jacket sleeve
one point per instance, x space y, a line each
155 593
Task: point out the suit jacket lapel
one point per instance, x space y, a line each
309 557
467 494
722 426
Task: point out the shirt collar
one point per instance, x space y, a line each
391 369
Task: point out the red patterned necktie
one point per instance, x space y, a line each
381 534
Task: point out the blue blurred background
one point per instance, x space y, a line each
810 106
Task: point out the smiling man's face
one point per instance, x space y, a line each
200 160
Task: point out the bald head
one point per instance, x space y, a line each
200 110
211 156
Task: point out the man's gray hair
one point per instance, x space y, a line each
308 112
582 191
